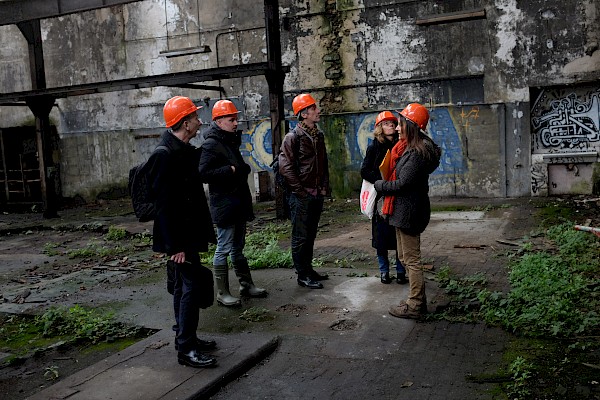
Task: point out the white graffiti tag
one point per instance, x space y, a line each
569 123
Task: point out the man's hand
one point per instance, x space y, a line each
179 258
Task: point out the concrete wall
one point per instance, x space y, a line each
483 79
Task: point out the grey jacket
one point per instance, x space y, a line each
412 209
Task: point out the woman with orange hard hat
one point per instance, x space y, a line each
406 203
383 236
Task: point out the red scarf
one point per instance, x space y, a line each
397 151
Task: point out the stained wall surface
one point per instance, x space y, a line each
497 75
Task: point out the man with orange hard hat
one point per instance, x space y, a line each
304 165
183 226
223 168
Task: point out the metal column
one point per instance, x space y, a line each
41 107
275 78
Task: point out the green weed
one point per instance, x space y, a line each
115 234
51 373
357 274
142 239
21 335
553 292
521 372
82 324
463 291
262 249
256 314
96 250
50 249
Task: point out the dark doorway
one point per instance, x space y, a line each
19 167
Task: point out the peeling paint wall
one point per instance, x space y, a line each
480 77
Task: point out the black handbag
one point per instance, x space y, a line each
206 293
170 276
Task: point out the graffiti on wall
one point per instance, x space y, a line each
565 129
256 141
539 179
568 122
442 130
257 145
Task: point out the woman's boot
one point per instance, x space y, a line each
385 278
384 268
222 282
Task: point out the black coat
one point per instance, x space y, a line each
183 220
230 198
412 209
383 235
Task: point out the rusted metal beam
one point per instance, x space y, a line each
174 79
15 11
33 34
220 89
452 17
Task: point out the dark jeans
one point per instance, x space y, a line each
186 302
305 214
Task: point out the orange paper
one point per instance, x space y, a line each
384 167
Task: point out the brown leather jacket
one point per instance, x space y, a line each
303 163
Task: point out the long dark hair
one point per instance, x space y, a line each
415 139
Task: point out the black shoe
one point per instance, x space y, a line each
195 359
401 279
309 283
201 345
385 278
205 344
315 276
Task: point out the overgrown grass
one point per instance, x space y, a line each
464 292
115 234
554 299
262 249
22 335
116 241
82 324
521 371
95 249
554 293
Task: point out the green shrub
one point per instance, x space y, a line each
552 294
115 234
80 323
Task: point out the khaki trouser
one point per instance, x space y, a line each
409 253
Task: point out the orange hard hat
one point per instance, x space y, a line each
385 116
416 113
301 102
223 108
176 108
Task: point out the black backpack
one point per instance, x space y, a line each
279 179
140 189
